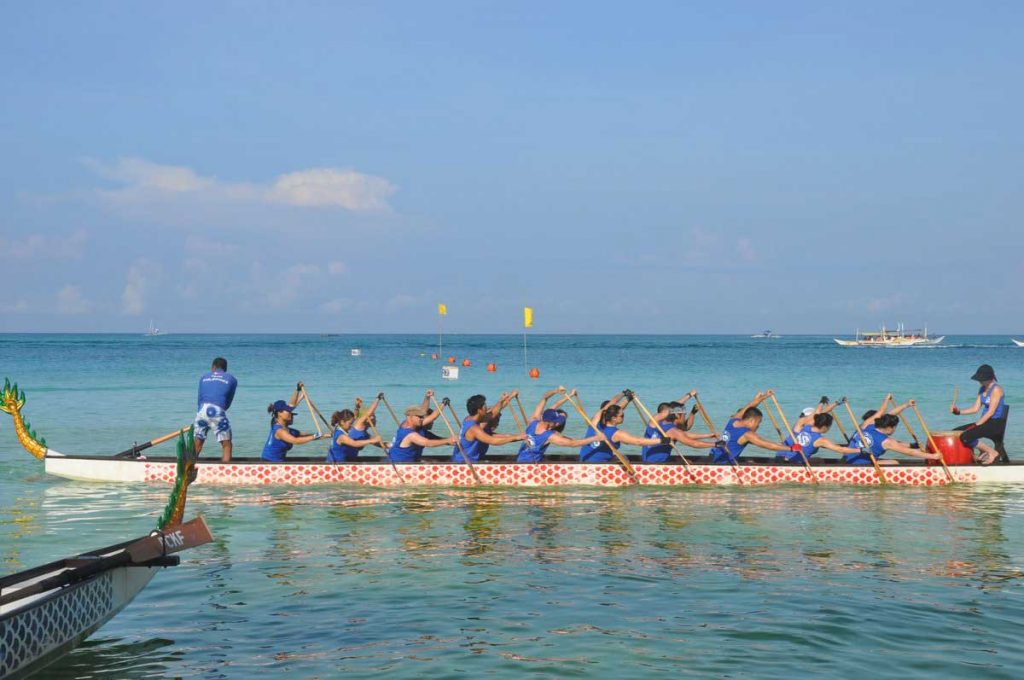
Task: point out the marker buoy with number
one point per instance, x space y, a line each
466 362
451 360
492 367
534 373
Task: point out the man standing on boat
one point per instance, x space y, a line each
216 392
991 403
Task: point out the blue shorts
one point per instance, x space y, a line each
211 416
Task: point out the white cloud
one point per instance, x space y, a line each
146 182
137 282
71 301
51 247
336 268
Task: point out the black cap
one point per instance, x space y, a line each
984 372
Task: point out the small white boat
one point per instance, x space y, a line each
153 331
886 338
765 335
1019 343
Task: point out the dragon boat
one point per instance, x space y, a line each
501 471
47 611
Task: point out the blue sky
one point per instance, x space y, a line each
643 167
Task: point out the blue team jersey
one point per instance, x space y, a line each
986 402
276 450
659 453
218 388
873 441
533 448
808 440
733 449
338 453
475 450
405 454
599 451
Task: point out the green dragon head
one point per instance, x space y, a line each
11 400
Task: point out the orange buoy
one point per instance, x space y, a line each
534 373
492 367
451 360
434 356
466 362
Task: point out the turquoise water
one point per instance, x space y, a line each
770 582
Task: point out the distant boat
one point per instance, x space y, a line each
765 335
153 330
1019 343
897 338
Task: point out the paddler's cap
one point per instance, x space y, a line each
677 410
554 417
282 405
416 411
984 372
809 411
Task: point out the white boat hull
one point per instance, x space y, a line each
919 342
1019 343
511 474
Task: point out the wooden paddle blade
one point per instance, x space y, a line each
173 539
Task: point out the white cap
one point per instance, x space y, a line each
809 411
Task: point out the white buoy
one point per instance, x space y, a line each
356 352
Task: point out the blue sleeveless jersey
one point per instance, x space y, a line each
275 450
808 440
599 451
659 453
986 401
475 450
405 454
732 449
532 450
338 453
873 441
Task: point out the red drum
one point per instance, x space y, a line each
953 450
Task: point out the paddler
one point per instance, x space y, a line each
991 404
408 443
351 432
811 437
607 420
545 428
282 437
741 430
672 419
477 433
878 430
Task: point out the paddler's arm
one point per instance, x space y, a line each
690 440
345 440
419 440
611 402
891 444
562 440
901 408
993 404
287 437
538 412
564 398
505 400
361 420
297 395
687 397
477 433
757 440
832 446
622 437
758 398
427 396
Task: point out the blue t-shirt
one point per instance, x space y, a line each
405 454
337 453
808 440
276 450
599 451
475 450
659 453
533 448
874 441
733 449
217 387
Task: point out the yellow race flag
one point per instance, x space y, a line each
442 309
527 317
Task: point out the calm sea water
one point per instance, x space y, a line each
769 582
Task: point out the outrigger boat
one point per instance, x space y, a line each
47 611
133 466
897 338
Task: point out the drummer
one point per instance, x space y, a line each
878 430
991 404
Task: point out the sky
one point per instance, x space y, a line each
652 167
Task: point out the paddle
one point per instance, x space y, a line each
785 421
775 424
519 426
863 441
458 440
642 410
931 441
839 423
522 411
597 430
384 445
394 417
314 412
956 393
134 450
711 428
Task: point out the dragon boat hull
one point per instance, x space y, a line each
254 472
